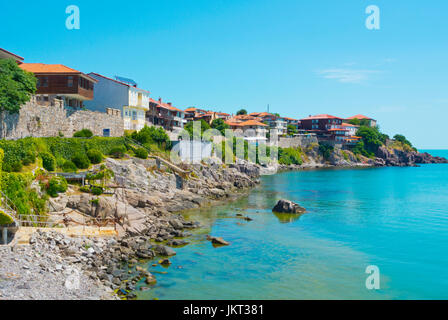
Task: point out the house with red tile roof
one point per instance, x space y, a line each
251 130
132 101
325 126
371 122
61 82
165 115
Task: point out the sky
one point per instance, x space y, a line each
300 57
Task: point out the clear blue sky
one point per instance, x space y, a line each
300 56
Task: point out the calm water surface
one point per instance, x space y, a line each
395 218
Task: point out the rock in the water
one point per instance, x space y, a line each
286 206
218 241
165 251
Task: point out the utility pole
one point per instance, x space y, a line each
268 108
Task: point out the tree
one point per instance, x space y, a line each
371 138
291 129
401 138
16 86
241 112
219 124
197 136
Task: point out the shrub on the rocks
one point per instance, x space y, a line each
118 152
56 185
69 166
48 161
16 166
84 133
5 218
30 158
81 161
141 153
84 189
97 191
95 156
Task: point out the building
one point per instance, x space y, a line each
4 54
251 130
195 114
371 122
275 123
61 82
325 126
124 96
165 115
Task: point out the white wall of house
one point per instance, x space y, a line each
107 94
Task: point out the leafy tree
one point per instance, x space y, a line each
56 185
189 128
95 156
219 124
81 161
292 130
359 122
152 135
16 86
141 153
48 161
325 149
371 137
401 138
84 133
241 112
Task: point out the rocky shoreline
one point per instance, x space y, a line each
144 205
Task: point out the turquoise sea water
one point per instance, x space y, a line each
394 218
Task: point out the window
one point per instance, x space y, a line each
134 115
106 132
44 82
70 81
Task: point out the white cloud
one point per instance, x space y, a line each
347 75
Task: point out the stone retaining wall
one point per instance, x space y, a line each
54 119
301 141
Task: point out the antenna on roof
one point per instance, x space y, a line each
268 108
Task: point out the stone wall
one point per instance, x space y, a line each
302 141
53 119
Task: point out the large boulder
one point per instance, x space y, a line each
286 206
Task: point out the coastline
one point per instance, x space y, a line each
155 227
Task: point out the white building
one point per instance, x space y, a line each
130 100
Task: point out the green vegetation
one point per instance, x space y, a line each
359 122
149 136
16 86
84 133
55 151
291 130
5 218
98 180
55 186
69 166
81 161
220 125
95 156
241 112
16 187
197 136
141 153
48 161
325 149
118 152
405 143
288 156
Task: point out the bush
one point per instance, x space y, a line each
325 150
16 166
84 133
84 189
141 153
56 185
95 156
48 161
5 218
288 156
97 191
81 161
118 152
69 166
30 158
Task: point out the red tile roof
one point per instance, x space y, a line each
360 116
321 116
41 68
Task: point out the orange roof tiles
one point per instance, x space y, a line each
321 116
47 68
359 116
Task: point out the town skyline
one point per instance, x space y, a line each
305 65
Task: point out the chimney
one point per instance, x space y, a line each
169 103
160 100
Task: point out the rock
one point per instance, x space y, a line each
165 262
286 206
164 251
177 243
218 241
